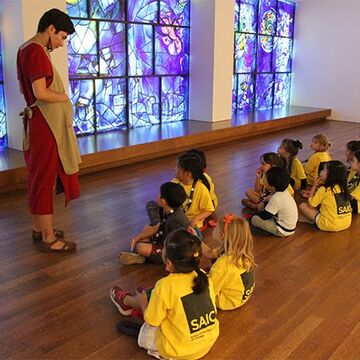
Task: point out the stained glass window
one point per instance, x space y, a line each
128 63
3 128
264 31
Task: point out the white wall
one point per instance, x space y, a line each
326 68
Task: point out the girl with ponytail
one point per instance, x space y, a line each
189 174
180 314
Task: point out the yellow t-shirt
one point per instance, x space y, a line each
232 284
335 212
354 192
297 172
201 200
187 322
290 190
214 198
312 165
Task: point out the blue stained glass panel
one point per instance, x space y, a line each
264 91
1 71
77 8
3 129
245 52
234 92
282 89
140 47
248 16
245 92
110 103
174 98
112 48
144 100
143 10
264 53
267 17
282 61
171 50
285 21
175 12
107 9
82 97
82 49
237 15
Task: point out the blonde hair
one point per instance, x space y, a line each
237 240
323 140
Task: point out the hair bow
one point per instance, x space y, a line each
228 219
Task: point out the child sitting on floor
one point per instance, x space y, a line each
260 194
149 243
233 273
320 145
180 311
331 194
280 215
351 147
354 182
288 150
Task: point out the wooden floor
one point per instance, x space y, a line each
305 305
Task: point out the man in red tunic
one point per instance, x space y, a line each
50 147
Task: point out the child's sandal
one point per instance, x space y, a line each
66 247
37 235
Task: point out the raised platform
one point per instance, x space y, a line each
108 150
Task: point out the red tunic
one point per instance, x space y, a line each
42 159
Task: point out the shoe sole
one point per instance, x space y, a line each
130 258
120 309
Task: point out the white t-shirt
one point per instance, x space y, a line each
283 206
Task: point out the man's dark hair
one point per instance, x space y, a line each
174 194
60 20
279 178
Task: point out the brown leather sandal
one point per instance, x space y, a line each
48 246
37 235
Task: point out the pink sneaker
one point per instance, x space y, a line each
117 296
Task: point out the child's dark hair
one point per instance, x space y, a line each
279 178
201 156
356 154
59 19
274 159
173 193
192 163
353 145
292 146
337 175
184 251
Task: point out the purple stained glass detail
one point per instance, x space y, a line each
282 89
267 17
144 100
110 97
282 61
77 8
237 15
264 91
82 97
175 12
248 16
143 10
174 98
3 127
245 53
1 70
264 53
112 48
245 92
140 49
171 50
107 9
234 92
285 20
82 49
